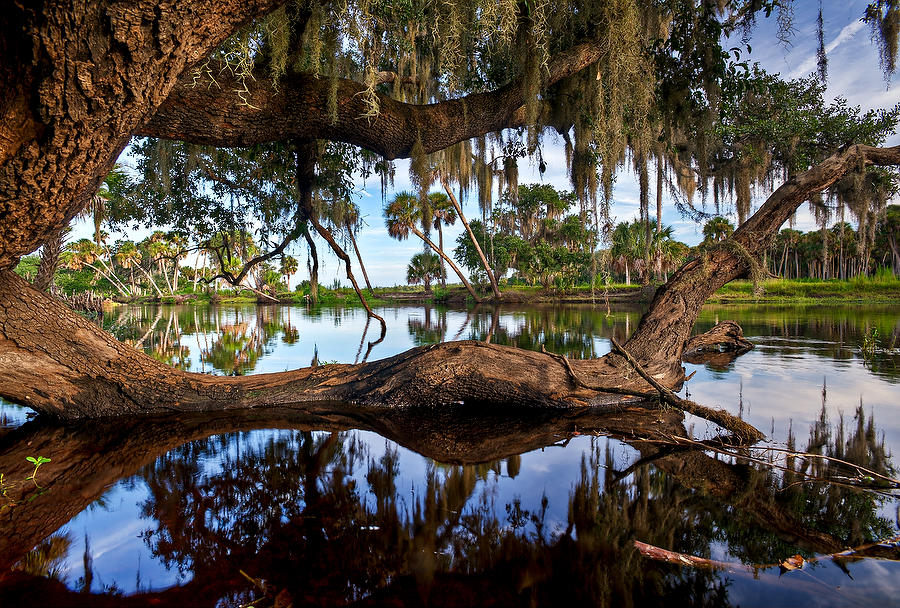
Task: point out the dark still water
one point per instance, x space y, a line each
335 505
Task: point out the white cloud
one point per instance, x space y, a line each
846 34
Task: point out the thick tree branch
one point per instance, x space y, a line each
663 331
213 114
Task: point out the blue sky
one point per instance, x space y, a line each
853 73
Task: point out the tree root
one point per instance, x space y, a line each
743 431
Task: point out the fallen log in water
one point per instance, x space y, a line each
62 366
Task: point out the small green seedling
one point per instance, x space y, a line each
37 462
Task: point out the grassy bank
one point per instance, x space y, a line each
882 288
774 290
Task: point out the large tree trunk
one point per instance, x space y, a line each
661 335
78 79
59 364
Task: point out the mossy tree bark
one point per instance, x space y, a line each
78 80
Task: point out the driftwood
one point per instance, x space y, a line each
717 347
887 549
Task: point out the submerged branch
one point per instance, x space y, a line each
886 549
747 432
743 431
866 479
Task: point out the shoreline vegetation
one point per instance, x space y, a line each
776 291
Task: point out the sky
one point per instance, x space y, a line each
853 73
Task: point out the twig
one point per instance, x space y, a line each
255 582
744 431
704 445
859 469
617 390
565 361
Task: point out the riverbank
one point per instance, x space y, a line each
863 289
884 290
798 291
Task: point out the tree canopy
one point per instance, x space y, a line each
469 89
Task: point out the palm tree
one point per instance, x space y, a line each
128 256
403 215
487 267
668 253
423 268
85 252
50 251
627 247
443 214
165 246
289 266
717 229
96 209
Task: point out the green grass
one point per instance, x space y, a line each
882 287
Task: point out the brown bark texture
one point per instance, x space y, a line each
663 331
61 365
78 79
298 109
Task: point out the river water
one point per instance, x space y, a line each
333 505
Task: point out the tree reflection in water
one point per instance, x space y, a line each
320 517
290 511
232 340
